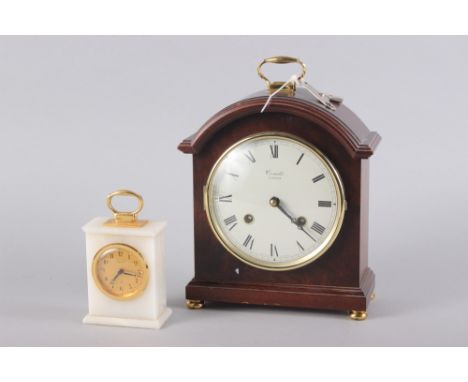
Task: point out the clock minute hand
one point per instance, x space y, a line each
281 208
275 202
299 222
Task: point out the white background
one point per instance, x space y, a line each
83 116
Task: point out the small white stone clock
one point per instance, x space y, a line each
125 269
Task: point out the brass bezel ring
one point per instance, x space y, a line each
280 60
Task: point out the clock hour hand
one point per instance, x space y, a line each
119 272
129 273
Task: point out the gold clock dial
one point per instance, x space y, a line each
120 271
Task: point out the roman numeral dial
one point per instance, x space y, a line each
318 178
274 202
274 150
317 227
231 222
273 251
248 242
300 158
250 157
225 198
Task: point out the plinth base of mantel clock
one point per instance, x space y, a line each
129 322
354 300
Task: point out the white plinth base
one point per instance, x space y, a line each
135 323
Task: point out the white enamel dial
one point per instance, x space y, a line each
275 202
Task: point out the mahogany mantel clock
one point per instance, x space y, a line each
281 202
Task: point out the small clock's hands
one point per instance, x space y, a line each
119 272
299 222
122 272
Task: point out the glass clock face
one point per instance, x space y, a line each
120 271
274 201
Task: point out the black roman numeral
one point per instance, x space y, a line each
233 175
299 245
250 156
273 250
231 220
318 177
322 203
318 228
300 158
248 239
225 199
274 150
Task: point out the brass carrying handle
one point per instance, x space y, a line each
280 60
125 216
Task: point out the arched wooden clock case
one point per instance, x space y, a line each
338 280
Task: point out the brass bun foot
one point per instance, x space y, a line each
195 304
358 315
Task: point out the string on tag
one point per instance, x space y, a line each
292 80
323 99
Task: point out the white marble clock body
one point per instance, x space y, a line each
149 309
